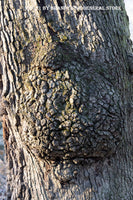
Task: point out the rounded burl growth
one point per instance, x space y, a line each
69 112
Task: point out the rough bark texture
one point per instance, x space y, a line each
66 96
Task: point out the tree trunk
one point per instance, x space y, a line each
66 100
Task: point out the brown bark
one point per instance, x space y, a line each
66 95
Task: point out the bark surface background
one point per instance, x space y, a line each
39 163
2 167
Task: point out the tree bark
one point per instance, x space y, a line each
66 100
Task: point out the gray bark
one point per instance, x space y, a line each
66 101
